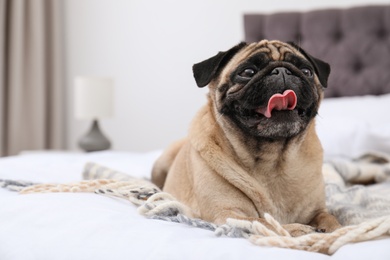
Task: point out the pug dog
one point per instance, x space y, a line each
253 148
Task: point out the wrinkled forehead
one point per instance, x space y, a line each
276 50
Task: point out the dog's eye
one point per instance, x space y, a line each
307 72
247 73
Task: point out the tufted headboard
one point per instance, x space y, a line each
355 41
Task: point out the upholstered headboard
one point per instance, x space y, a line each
355 41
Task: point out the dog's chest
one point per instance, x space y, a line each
288 192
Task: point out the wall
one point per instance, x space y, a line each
149 48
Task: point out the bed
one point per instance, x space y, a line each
90 225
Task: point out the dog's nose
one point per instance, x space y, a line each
280 71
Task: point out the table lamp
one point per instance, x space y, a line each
93 101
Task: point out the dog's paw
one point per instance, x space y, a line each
297 230
328 228
325 223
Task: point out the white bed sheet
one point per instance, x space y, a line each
353 126
89 226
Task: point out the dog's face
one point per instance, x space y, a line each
268 89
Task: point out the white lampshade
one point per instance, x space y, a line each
94 97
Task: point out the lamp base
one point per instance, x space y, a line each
94 140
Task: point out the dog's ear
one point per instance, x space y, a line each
321 67
206 70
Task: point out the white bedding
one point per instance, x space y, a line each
352 126
90 226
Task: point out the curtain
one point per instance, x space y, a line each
31 76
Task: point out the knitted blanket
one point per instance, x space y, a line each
357 194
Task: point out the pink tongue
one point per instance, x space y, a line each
285 101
